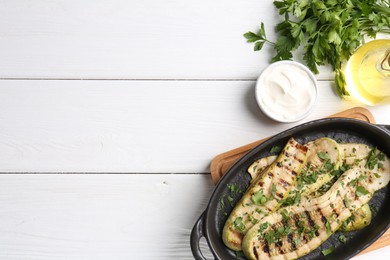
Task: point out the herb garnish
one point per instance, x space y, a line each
328 228
276 149
259 198
342 238
329 31
234 188
239 224
346 200
327 251
323 155
361 191
374 158
273 190
239 254
230 199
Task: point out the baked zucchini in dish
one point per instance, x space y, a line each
292 224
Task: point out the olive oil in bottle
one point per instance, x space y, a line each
367 72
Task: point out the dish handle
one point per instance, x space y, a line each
196 235
386 127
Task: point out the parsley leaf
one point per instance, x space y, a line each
328 31
342 238
323 155
276 149
259 198
328 251
239 224
361 191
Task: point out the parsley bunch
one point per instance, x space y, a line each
330 31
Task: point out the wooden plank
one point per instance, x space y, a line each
60 216
114 39
135 126
104 216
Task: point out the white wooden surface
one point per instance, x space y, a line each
140 95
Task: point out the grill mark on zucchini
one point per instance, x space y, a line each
280 195
310 220
255 252
279 245
265 248
322 217
284 183
290 241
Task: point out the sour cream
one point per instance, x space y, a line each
286 91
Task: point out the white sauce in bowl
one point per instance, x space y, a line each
286 91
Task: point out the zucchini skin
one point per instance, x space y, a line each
360 219
273 185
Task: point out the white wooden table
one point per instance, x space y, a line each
110 112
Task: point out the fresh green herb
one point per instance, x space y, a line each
329 31
285 215
253 220
270 236
239 254
239 224
361 191
279 232
260 211
273 190
306 177
290 199
342 238
327 251
230 199
362 177
297 198
287 230
296 242
311 233
374 158
328 165
263 227
234 188
323 155
259 198
222 203
346 201
374 210
276 149
328 228
381 156
353 183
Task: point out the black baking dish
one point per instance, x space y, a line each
343 130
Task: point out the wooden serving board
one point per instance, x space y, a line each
222 162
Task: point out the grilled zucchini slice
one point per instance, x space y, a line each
265 194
